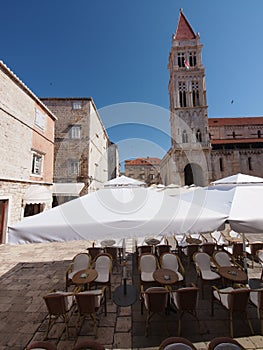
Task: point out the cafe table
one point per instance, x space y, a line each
233 274
83 278
191 240
165 276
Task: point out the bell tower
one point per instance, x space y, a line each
188 107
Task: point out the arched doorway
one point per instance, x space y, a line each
193 174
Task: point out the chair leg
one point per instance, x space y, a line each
231 324
249 323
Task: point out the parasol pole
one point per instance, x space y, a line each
124 272
244 251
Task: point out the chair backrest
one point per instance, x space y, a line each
156 299
203 261
39 345
94 251
255 246
234 234
169 261
147 262
176 343
186 298
238 299
237 249
103 262
81 261
191 249
145 249
222 259
88 344
162 248
88 301
56 303
224 343
113 251
208 248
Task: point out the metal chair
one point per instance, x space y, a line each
256 298
148 263
185 300
103 265
252 250
58 304
173 262
234 300
80 261
155 301
203 268
89 303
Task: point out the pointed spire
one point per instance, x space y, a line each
184 31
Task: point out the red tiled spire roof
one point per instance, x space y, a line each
184 31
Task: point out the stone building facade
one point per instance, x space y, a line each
27 141
203 149
81 146
144 169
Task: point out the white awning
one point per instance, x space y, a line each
37 194
67 188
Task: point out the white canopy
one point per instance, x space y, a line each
239 179
243 203
37 194
120 213
123 181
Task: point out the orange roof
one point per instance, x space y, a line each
143 161
235 121
184 31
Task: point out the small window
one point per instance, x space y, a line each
259 134
37 160
234 134
192 59
249 163
185 137
73 167
76 105
75 132
221 164
198 136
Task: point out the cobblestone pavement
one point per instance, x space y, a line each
28 272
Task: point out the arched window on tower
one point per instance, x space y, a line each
180 59
192 58
182 94
234 134
195 94
198 136
259 134
185 137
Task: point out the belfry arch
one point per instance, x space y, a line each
193 174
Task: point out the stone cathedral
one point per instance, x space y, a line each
203 149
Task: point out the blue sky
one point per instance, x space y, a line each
116 52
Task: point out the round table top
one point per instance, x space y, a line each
165 276
84 276
107 242
232 273
191 240
152 241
